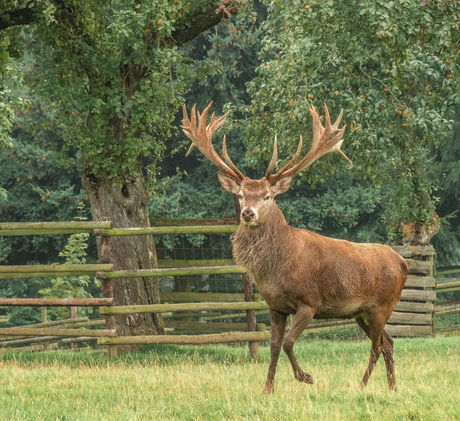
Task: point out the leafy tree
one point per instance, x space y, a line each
39 187
112 72
389 65
447 167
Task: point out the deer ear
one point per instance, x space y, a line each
282 185
228 183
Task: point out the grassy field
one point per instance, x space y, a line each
223 383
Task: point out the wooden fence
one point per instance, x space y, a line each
106 274
413 314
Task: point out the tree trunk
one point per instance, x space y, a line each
126 206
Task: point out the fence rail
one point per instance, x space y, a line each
24 331
44 271
56 302
141 273
217 229
215 338
163 308
453 284
40 228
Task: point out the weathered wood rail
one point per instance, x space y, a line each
40 228
106 273
44 271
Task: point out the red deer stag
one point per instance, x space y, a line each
297 271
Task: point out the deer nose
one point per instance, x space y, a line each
247 214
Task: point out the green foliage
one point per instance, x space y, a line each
447 169
225 59
9 100
39 187
124 80
391 70
339 208
72 286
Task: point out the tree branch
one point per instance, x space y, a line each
205 20
18 17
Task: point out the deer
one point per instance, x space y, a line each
299 272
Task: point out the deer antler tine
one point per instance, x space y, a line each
228 160
190 149
338 145
299 149
339 118
201 137
328 117
325 139
294 158
336 148
272 164
318 129
202 116
193 116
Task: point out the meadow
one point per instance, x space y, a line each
224 383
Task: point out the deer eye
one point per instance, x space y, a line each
267 197
239 196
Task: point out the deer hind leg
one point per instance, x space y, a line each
389 360
386 348
278 328
301 319
374 332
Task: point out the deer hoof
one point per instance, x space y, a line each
268 389
301 376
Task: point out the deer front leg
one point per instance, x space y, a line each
278 328
301 320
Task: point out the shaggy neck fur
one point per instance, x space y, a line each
260 249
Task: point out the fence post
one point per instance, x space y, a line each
73 315
107 292
248 293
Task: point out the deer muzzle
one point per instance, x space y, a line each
249 215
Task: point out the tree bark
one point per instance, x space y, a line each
125 204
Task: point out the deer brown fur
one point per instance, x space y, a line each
302 273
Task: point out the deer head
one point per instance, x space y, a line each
257 196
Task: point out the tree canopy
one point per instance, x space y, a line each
391 66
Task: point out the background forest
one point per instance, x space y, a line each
392 66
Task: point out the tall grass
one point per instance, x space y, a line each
224 383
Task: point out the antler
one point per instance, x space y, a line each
325 139
201 137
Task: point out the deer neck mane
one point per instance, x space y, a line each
258 248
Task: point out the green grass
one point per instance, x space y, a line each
224 383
